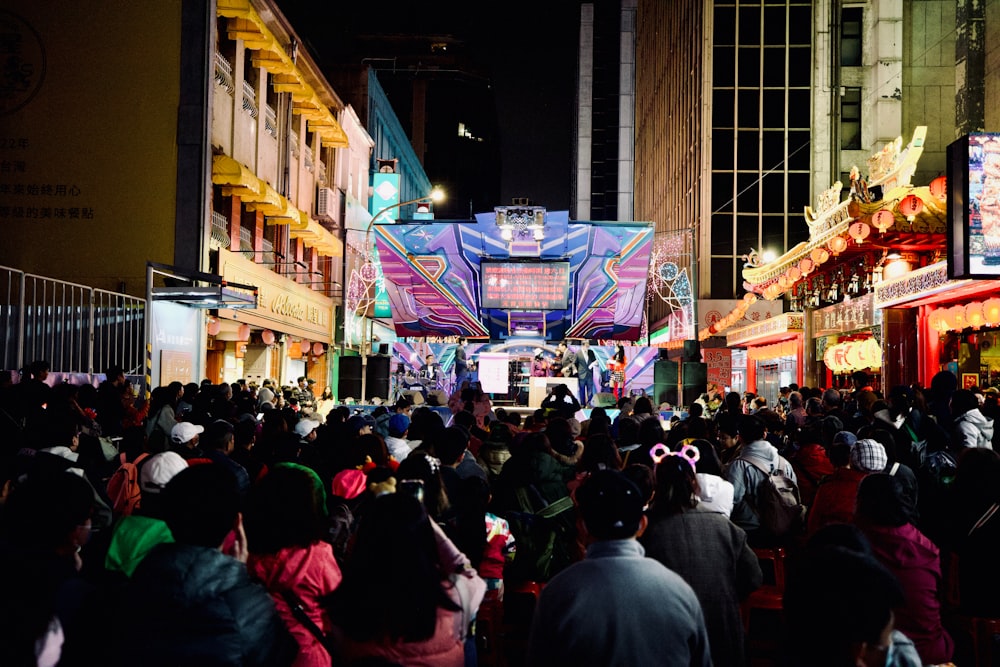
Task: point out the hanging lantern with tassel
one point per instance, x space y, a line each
991 311
974 314
911 206
883 220
837 245
939 187
819 255
859 231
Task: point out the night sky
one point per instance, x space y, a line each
529 48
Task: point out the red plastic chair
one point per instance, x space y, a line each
763 647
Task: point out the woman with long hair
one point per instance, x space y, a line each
616 366
325 403
705 548
404 610
285 522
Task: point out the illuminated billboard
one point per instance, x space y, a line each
974 207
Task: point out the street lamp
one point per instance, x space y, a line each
368 272
436 195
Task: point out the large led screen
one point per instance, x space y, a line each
525 285
974 207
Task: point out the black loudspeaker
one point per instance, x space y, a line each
695 379
349 378
377 378
664 354
692 351
383 348
664 381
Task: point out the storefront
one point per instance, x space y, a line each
286 336
957 326
774 354
847 336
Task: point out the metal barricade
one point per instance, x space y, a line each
79 330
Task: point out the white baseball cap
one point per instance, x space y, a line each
184 432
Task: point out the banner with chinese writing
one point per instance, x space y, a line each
720 366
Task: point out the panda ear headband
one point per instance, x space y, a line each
690 454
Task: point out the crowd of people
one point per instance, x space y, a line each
264 532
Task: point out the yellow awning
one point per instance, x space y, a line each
246 24
269 201
318 237
237 179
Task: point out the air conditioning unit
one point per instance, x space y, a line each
326 205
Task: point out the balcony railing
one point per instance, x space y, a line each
246 243
270 121
224 72
249 99
321 173
220 231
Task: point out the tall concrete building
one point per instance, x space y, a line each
747 109
602 187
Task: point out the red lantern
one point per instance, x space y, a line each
883 220
818 256
910 206
214 325
267 336
318 349
713 329
859 231
244 332
939 187
794 273
837 244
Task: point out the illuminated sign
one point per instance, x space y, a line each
974 207
525 285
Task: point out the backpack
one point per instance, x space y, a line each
124 489
541 537
778 503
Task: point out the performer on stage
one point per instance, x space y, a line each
616 366
461 363
586 362
539 365
431 372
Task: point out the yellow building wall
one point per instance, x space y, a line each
87 189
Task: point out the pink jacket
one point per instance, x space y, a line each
916 563
311 574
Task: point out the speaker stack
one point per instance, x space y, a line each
349 378
377 378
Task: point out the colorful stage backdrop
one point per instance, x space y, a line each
461 278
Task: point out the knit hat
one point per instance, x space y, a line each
868 455
160 469
357 422
348 483
398 423
845 438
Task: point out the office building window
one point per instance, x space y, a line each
850 37
850 119
761 120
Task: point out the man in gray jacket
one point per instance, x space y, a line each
746 477
617 607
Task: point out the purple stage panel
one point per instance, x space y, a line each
434 271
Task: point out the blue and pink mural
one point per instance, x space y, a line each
433 274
